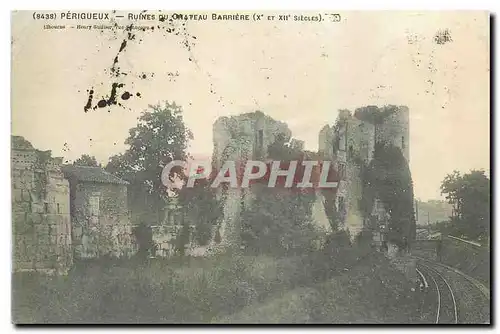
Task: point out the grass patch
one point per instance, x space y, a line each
367 293
329 285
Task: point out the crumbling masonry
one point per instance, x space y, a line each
352 140
241 138
63 213
41 226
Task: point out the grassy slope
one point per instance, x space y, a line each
374 293
349 286
474 261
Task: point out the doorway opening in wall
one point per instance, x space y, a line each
58 208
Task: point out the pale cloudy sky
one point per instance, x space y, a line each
297 72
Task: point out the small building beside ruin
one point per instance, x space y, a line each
99 213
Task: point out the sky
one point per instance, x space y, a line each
301 73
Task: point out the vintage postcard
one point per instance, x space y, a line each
255 167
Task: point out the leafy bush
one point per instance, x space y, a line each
388 178
278 222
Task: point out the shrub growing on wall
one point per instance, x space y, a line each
144 238
388 178
278 220
200 209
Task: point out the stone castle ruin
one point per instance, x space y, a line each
351 142
65 212
241 138
348 142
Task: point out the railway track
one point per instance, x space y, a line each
446 308
451 297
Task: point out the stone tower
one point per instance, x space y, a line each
350 142
241 138
395 129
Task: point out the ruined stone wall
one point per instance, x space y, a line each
356 143
318 214
360 150
352 136
101 224
379 223
221 138
41 226
245 136
164 237
353 142
354 217
396 130
366 143
326 140
241 138
165 241
349 192
360 138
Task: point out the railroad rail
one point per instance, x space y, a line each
459 297
442 291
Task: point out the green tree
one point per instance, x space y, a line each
121 166
86 160
159 138
469 194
